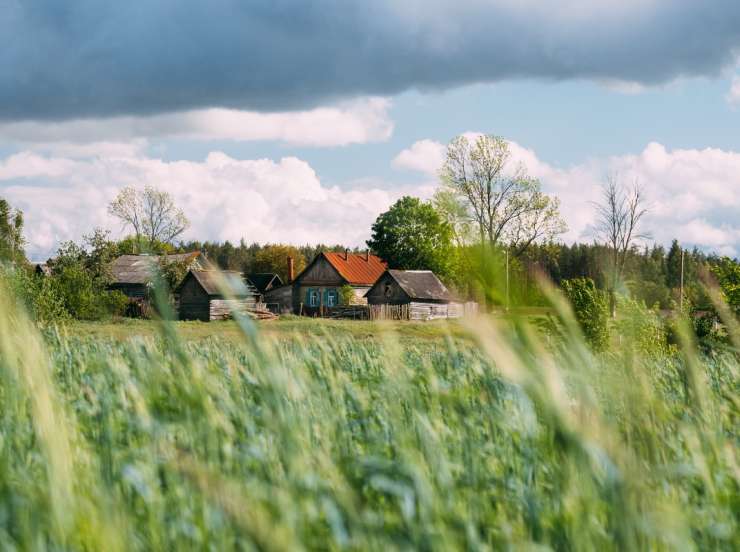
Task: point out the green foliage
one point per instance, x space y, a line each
641 329
274 258
11 234
80 275
40 296
346 294
727 273
501 443
412 235
590 307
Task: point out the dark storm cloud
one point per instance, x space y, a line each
94 58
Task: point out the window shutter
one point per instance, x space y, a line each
308 297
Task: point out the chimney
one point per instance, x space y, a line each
291 270
346 254
367 255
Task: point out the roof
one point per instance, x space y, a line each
213 281
264 280
357 269
139 269
421 284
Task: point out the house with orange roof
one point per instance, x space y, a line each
319 285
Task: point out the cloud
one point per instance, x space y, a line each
101 59
733 96
225 198
358 121
692 195
424 156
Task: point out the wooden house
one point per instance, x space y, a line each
214 295
319 286
263 282
133 274
412 295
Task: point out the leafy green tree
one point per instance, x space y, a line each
412 235
727 272
590 306
274 258
506 205
11 233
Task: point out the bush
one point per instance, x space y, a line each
591 310
641 328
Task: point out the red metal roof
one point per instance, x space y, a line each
356 269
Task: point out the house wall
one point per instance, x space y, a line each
133 291
378 295
280 300
194 301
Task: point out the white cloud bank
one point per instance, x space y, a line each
225 198
693 195
355 122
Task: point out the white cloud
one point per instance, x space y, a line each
693 195
225 198
426 156
733 96
356 122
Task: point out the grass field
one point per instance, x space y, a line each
284 327
303 434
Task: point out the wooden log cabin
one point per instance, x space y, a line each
202 295
133 274
319 286
412 295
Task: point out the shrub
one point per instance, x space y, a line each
591 310
641 328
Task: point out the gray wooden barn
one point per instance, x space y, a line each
412 295
133 274
202 295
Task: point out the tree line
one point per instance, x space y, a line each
489 232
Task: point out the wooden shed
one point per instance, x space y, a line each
412 295
133 274
202 298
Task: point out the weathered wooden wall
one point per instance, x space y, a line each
379 295
320 273
194 302
280 300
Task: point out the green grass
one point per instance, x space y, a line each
286 326
303 434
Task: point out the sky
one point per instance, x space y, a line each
294 121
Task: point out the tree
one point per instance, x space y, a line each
11 233
589 307
412 235
508 207
673 266
151 214
274 258
618 220
727 273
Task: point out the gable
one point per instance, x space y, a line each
320 272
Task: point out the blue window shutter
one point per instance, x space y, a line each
308 296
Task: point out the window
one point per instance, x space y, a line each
331 298
388 289
313 298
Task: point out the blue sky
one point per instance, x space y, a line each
290 121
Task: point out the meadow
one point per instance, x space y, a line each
302 435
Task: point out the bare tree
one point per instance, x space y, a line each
618 221
151 214
507 206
